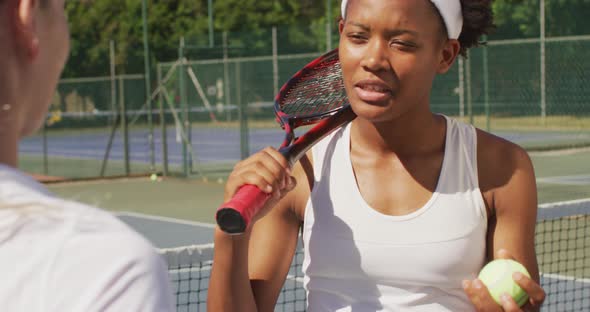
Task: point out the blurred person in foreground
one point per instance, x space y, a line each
58 255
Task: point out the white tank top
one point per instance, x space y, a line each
357 259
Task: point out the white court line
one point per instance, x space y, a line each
567 278
569 151
165 219
297 279
552 211
567 203
583 179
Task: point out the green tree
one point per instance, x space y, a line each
301 25
94 23
521 18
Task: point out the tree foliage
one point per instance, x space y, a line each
301 23
521 18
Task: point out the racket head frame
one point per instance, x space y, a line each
292 148
289 122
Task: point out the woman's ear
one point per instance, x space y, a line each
449 53
24 23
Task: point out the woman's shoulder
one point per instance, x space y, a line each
71 226
18 185
92 226
77 245
77 227
492 147
98 249
498 159
310 167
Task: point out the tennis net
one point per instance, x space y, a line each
562 245
190 268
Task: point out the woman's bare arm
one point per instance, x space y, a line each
507 181
249 270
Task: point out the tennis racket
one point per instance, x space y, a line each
314 95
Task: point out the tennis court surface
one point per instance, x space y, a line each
180 225
562 243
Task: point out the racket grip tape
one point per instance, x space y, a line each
234 216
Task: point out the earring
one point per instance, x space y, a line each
6 107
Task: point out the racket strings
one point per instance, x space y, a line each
318 90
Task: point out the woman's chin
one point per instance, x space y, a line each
373 113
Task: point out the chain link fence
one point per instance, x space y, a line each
212 105
527 91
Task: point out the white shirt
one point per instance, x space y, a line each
58 255
358 259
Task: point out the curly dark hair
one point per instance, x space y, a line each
478 20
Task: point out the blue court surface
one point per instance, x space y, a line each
210 144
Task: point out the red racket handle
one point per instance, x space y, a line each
234 216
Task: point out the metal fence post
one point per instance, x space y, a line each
486 88
183 99
148 89
226 84
542 60
468 86
243 112
461 65
163 124
328 25
113 76
275 61
45 149
124 125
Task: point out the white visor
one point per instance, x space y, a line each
450 10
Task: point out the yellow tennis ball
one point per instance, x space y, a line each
497 276
154 177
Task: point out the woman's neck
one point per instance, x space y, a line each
404 136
